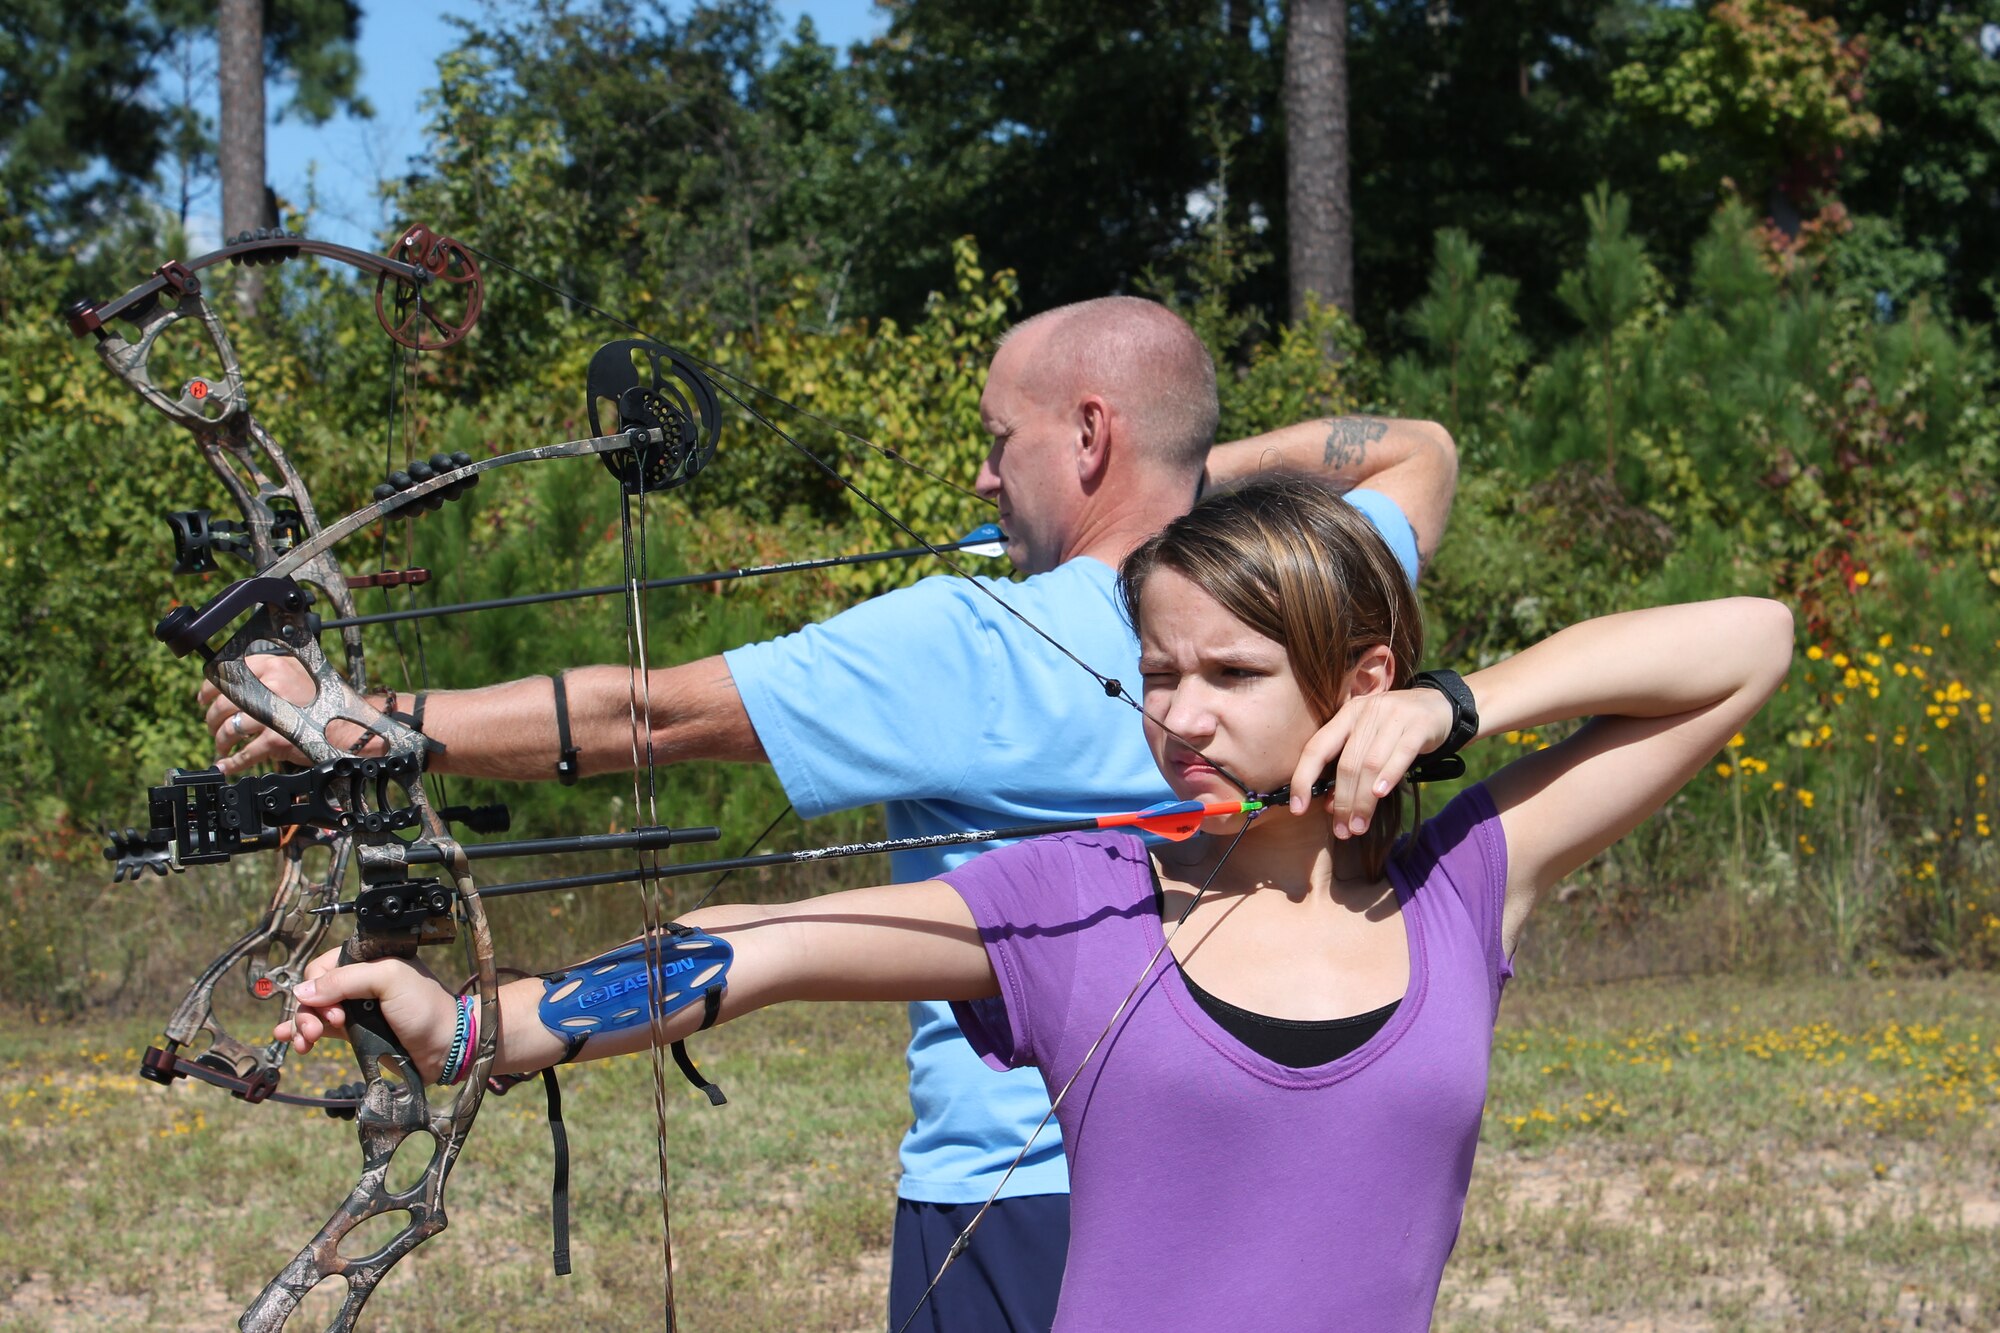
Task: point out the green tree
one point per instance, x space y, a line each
77 135
1067 139
1763 95
1922 191
85 123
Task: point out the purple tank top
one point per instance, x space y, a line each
1212 1188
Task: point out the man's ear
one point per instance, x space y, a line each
1373 673
1093 439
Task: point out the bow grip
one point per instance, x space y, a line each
368 1031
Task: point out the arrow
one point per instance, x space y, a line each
985 540
1175 821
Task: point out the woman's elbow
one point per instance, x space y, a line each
1766 629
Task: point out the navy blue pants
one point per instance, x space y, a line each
1005 1282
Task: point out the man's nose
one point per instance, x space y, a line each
987 483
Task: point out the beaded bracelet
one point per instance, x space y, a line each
471 1003
455 1062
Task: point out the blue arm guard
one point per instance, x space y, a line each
608 993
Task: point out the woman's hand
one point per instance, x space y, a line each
1375 738
420 1011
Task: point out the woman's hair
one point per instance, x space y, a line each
1292 560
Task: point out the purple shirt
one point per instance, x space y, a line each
1212 1187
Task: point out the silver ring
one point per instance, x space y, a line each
236 724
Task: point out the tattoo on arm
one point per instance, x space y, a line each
1348 438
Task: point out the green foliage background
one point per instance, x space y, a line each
1656 391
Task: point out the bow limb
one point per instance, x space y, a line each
428 294
425 265
277 510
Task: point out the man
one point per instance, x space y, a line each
951 710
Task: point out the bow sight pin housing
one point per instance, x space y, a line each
205 818
198 537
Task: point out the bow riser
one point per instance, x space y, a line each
285 631
395 1104
276 514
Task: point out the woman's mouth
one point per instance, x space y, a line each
1188 764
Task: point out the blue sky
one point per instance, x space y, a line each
341 161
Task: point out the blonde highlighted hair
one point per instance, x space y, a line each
1296 563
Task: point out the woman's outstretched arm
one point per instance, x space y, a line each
895 942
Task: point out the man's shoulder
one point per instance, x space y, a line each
1082 580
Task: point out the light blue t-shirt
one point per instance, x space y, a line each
940 704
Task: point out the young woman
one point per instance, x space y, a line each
1279 1030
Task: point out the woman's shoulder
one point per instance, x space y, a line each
1045 905
1464 840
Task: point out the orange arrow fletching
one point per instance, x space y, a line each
1178 821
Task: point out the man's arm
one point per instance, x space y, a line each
1414 463
509 731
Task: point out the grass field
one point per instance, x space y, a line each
1707 1153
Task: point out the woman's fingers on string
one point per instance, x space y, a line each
1390 731
1320 751
1352 801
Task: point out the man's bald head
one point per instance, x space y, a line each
1141 358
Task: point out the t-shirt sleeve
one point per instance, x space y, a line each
1464 850
854 710
1027 900
1388 518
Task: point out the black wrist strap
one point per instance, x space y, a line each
414 719
711 1008
499 1085
567 767
1442 763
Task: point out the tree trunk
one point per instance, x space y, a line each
239 40
1319 217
